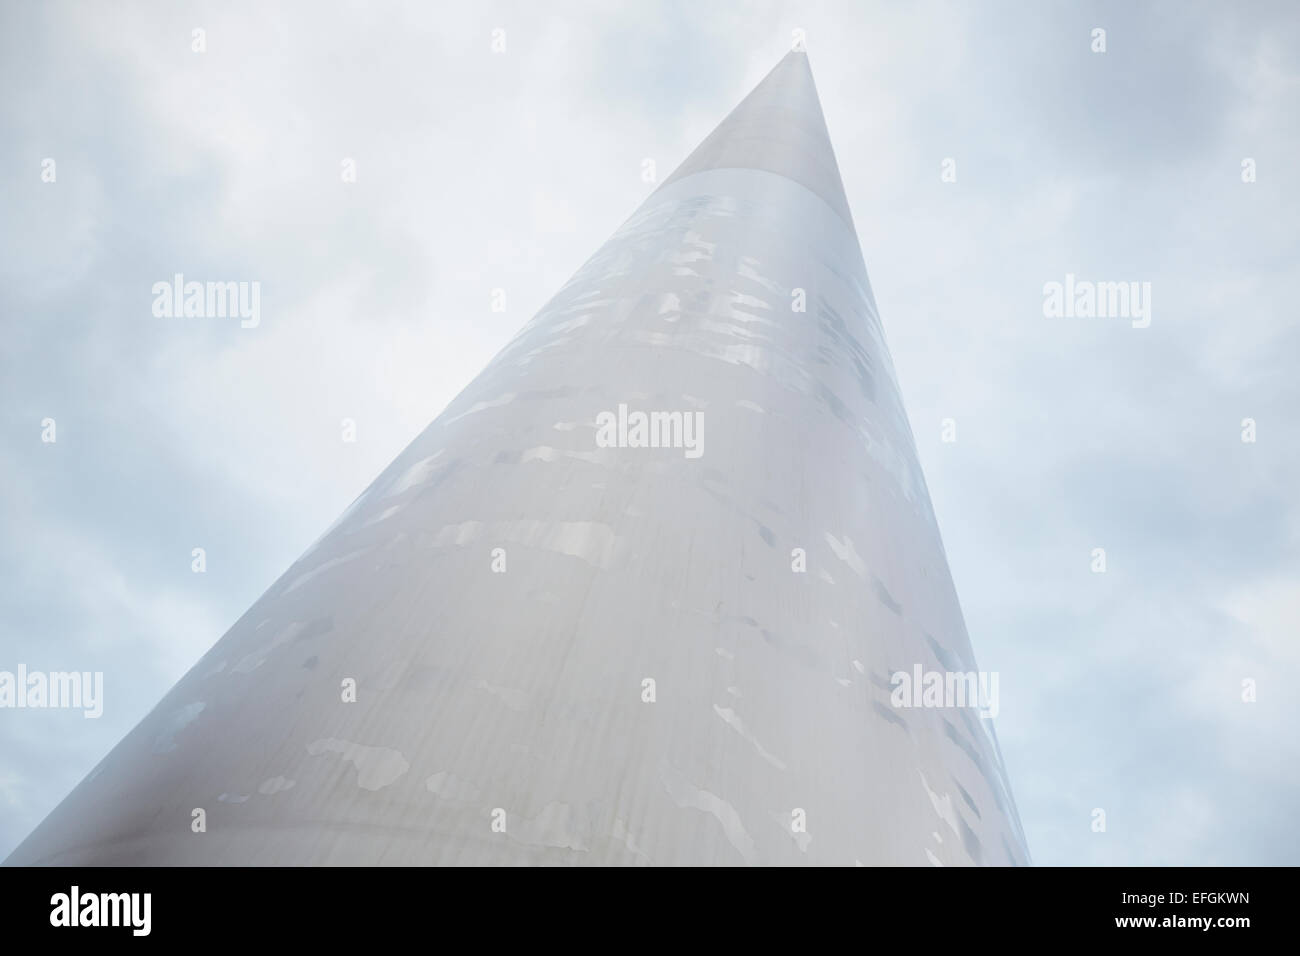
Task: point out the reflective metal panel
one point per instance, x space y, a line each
570 647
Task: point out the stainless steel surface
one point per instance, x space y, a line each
522 691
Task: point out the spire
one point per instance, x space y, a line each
778 128
398 698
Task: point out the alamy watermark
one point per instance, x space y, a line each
208 300
923 688
75 908
1085 299
624 429
57 690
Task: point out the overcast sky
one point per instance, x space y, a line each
479 170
